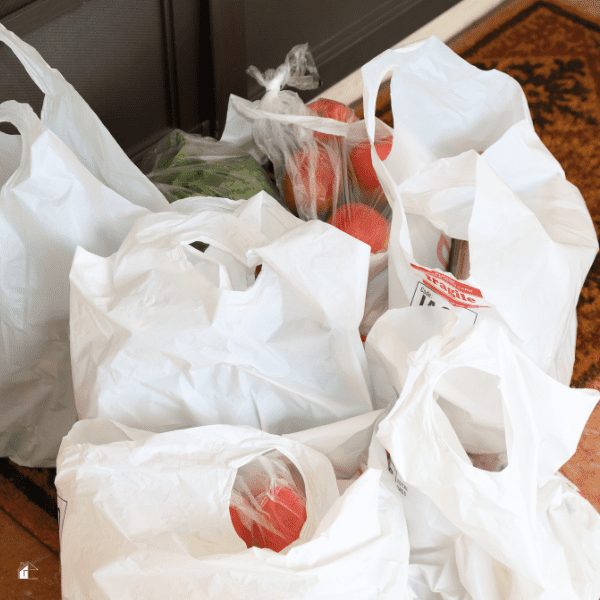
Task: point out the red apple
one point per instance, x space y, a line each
360 159
312 180
364 223
331 109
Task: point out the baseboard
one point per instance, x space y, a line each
446 26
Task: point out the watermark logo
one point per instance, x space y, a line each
25 570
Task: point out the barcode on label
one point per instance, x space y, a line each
426 296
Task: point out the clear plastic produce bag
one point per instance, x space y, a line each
321 157
320 152
185 164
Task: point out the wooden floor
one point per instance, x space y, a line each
17 547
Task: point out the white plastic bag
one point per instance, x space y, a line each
65 182
530 236
505 531
146 515
164 336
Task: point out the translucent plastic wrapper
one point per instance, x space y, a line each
323 170
268 502
184 164
364 211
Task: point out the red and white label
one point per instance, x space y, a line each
455 292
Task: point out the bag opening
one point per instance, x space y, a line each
473 403
268 502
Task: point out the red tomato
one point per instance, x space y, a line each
364 223
284 510
287 512
360 159
313 178
244 533
331 109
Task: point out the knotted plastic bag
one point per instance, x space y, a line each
320 152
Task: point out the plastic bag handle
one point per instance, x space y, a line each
212 227
44 76
315 123
473 350
520 425
372 75
24 119
17 113
99 152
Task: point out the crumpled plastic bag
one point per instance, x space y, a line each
145 515
506 530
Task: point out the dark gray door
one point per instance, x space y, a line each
144 66
342 34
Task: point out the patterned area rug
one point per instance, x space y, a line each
554 53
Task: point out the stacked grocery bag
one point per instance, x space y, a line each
347 380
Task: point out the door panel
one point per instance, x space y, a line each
342 34
122 58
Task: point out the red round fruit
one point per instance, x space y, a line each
283 510
363 223
360 159
286 512
312 180
331 109
242 531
